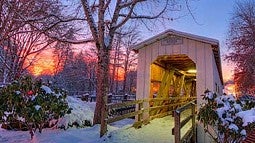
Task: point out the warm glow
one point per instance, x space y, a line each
155 87
120 75
227 71
44 65
229 89
192 71
36 70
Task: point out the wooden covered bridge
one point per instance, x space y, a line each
173 68
175 63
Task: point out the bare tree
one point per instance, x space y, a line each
241 42
130 58
104 18
25 30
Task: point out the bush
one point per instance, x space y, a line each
225 118
31 104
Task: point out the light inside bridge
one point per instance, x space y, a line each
192 71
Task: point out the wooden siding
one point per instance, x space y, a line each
199 52
216 76
140 74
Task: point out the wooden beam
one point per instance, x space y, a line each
180 85
165 83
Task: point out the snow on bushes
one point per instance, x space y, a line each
28 104
81 115
226 117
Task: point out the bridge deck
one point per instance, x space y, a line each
157 131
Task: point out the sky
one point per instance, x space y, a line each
212 19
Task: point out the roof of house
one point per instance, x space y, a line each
213 42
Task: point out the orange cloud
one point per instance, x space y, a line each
45 64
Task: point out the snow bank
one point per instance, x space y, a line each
157 131
81 115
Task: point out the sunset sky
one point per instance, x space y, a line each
211 20
44 65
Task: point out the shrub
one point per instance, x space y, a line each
31 104
225 118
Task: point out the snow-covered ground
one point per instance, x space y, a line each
157 131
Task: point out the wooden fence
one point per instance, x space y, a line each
190 135
111 98
154 107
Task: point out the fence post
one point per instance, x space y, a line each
177 129
140 116
104 113
194 138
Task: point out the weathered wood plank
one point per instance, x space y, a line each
193 112
128 103
210 83
185 107
187 136
155 51
169 99
180 83
140 107
168 83
184 46
192 50
165 106
163 83
201 69
186 120
132 114
140 74
177 129
179 124
161 115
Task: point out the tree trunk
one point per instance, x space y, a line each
102 84
125 71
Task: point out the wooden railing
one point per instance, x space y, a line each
153 107
111 98
191 133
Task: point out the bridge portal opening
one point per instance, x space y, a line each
172 76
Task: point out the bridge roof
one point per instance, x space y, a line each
164 34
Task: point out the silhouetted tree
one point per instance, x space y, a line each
241 42
26 29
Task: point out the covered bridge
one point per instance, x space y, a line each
175 63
